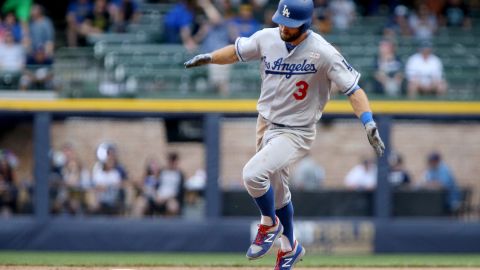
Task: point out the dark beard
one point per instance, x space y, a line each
291 38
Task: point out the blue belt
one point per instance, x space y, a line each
286 126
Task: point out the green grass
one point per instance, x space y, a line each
189 259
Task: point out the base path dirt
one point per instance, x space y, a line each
201 268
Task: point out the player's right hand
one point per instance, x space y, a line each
199 60
374 138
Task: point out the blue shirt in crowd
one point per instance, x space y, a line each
81 10
177 18
443 175
245 27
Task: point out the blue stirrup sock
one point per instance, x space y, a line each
266 204
285 215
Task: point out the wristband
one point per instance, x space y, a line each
366 117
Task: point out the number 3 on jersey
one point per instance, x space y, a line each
302 89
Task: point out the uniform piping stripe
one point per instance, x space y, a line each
238 51
353 85
288 73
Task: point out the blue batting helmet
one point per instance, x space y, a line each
294 13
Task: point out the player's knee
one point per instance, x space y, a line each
248 175
252 176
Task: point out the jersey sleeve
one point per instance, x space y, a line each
342 74
248 48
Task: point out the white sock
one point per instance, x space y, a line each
285 245
266 220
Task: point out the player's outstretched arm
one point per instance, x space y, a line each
225 55
361 107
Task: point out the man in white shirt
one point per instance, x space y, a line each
107 181
424 72
363 176
12 55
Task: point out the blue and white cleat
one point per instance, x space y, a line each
286 260
264 240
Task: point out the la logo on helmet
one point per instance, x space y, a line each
286 12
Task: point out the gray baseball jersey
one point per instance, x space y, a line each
296 85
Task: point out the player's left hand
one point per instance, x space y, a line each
199 60
374 138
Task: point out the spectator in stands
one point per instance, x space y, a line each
243 25
424 72
194 193
77 183
10 24
127 192
12 61
145 201
439 176
343 14
456 14
362 176
181 25
107 181
398 175
218 34
322 20
74 182
78 11
169 195
8 184
398 24
38 73
124 12
308 175
42 33
388 70
98 21
109 150
423 23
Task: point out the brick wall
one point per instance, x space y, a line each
340 146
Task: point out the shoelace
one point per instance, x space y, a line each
262 234
280 255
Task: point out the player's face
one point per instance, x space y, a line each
289 34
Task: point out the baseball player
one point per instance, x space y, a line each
298 69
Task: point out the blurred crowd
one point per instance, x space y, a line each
91 17
26 50
106 188
206 25
28 42
423 71
309 175
164 190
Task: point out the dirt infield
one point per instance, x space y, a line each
204 268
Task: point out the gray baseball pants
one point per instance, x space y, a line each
277 149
